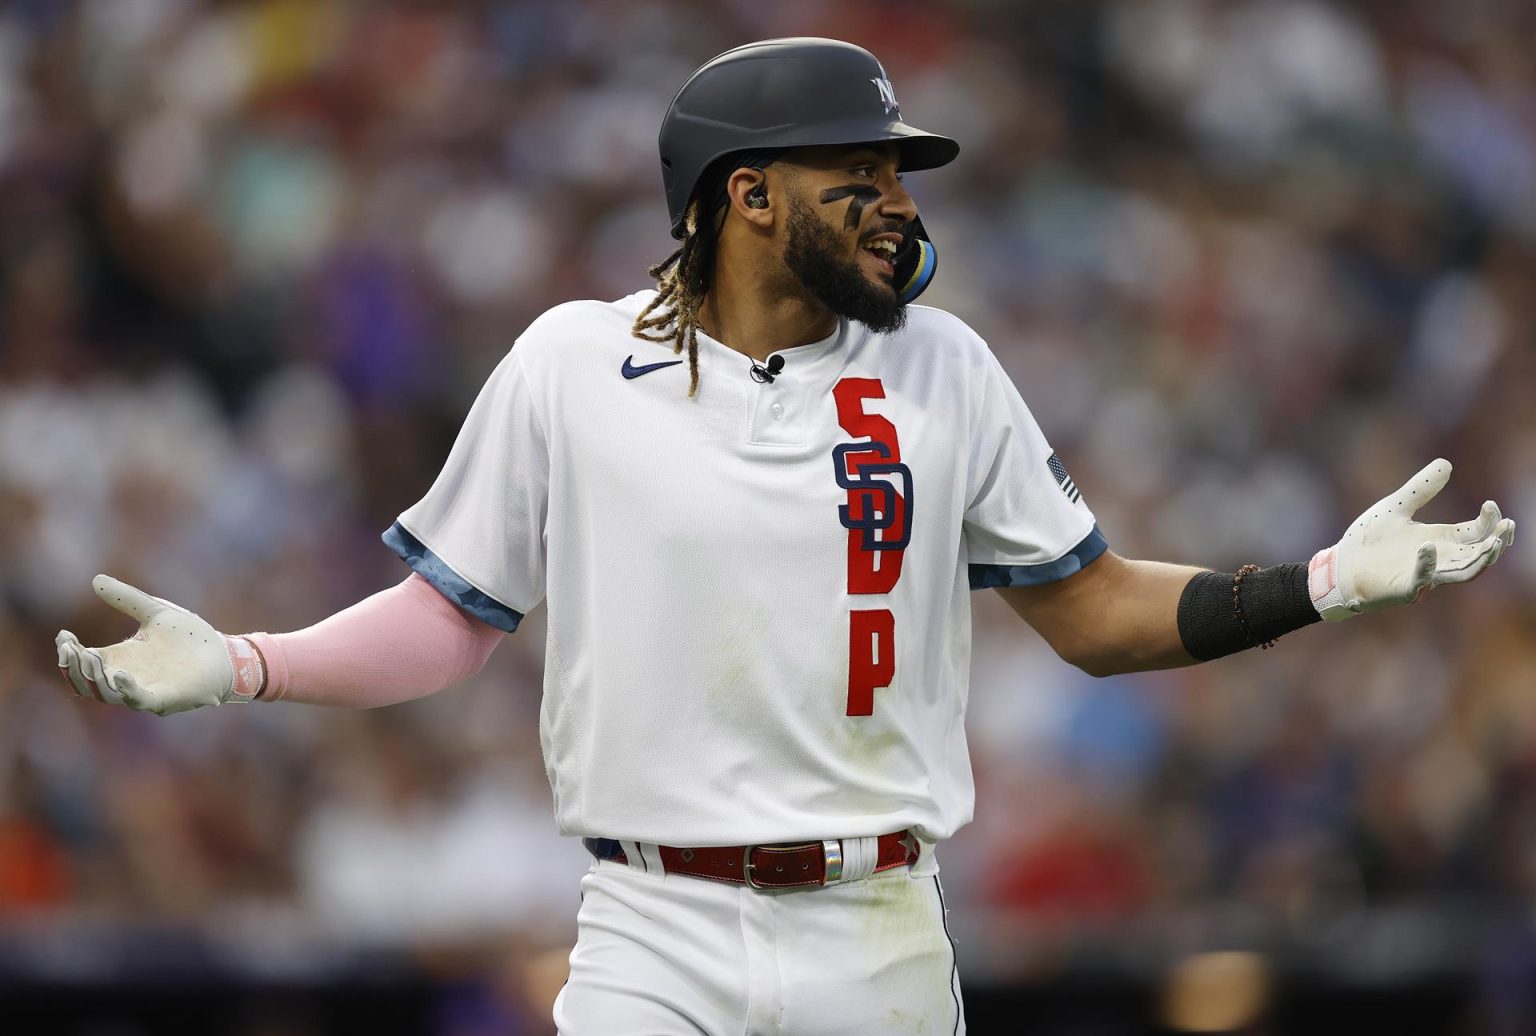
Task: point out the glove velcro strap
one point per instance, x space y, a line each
1323 585
1220 613
250 673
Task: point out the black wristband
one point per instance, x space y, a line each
1224 612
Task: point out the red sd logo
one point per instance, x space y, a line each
878 517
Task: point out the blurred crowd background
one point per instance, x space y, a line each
1252 263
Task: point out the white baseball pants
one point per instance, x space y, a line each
672 955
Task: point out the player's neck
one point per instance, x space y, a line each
743 313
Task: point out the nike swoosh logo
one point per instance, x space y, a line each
629 370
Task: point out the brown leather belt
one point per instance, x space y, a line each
778 866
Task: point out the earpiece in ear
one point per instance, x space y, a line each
757 198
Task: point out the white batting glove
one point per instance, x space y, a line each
175 662
1386 558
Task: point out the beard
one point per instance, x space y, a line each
815 254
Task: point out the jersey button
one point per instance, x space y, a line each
777 410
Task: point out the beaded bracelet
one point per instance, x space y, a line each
1237 606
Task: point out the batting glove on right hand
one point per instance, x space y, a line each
1386 558
175 662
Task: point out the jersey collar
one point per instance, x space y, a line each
801 362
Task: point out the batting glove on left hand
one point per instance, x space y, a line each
175 662
1386 558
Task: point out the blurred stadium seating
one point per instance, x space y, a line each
1252 262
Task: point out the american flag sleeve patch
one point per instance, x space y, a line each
1059 470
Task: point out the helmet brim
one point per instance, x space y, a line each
919 148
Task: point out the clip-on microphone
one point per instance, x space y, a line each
763 375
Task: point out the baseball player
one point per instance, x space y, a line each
755 501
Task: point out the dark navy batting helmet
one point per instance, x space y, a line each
787 93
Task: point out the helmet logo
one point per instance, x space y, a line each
887 95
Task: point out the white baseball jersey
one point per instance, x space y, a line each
759 618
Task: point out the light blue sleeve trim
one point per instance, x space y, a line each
986 577
448 582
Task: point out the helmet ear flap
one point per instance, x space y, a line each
916 263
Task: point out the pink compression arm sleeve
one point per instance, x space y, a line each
405 642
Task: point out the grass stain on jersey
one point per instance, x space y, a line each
736 671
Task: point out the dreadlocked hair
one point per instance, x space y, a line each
682 280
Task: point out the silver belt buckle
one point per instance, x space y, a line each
747 867
832 854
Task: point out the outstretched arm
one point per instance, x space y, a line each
1118 615
1115 616
401 643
